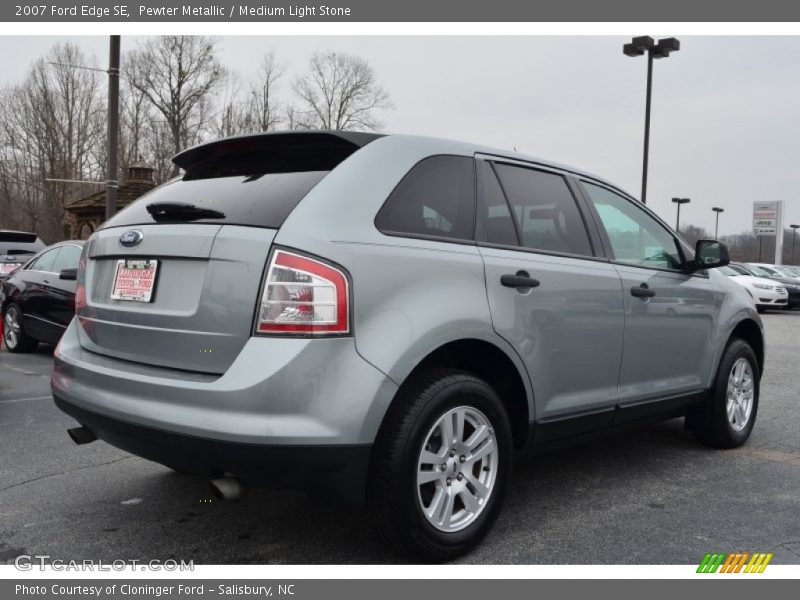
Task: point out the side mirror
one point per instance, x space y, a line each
709 254
68 274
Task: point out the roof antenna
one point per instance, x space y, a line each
515 149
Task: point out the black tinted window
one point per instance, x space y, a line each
16 243
436 198
260 200
545 211
68 258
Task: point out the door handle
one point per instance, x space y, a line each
520 280
643 291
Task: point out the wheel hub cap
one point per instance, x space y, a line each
457 469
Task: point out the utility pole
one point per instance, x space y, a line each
113 125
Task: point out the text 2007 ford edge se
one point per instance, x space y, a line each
387 319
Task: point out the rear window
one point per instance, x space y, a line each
259 200
21 244
252 180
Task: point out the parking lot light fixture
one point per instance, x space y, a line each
717 210
679 201
662 49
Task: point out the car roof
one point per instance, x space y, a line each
473 148
187 159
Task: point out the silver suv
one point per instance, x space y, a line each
387 320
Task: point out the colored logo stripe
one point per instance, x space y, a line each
734 562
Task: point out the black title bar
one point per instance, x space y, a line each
402 10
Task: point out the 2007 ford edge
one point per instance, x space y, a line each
389 319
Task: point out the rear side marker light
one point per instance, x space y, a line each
303 296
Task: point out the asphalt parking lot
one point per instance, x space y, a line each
654 496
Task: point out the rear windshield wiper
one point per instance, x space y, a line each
176 211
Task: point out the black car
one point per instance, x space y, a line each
16 248
37 301
791 285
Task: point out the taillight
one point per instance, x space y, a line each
80 286
304 296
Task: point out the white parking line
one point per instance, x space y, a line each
25 399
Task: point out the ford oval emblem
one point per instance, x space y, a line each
131 238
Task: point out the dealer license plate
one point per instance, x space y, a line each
135 280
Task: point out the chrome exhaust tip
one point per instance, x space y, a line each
226 488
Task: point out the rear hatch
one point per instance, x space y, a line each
173 280
16 248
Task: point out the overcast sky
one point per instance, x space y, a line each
726 110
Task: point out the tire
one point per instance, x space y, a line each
14 333
415 423
761 309
712 424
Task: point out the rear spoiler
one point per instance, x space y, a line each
278 152
18 237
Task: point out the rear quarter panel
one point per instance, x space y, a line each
411 296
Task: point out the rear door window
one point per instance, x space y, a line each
543 209
45 261
435 199
68 258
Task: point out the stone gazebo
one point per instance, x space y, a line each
86 214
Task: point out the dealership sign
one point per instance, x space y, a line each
765 218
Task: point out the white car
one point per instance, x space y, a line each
766 293
778 271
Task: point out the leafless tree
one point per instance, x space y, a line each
51 128
340 91
174 94
232 116
135 116
178 75
264 110
692 233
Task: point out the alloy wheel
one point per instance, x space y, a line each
13 328
457 469
740 394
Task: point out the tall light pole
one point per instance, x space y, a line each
646 45
717 210
679 201
794 234
113 125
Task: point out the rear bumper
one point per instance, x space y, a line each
340 471
289 412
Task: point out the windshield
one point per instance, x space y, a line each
728 271
785 272
740 270
758 271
